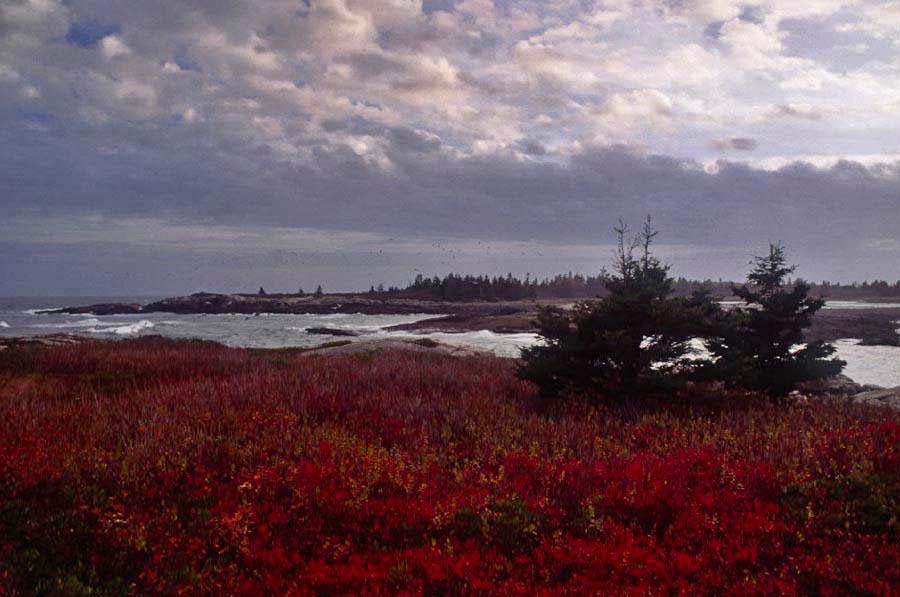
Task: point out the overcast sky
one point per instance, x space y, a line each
177 145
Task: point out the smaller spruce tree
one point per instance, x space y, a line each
760 346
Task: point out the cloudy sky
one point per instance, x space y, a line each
178 145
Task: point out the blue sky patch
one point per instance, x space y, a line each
86 34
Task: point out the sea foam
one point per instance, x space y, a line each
124 330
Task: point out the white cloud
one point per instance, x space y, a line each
878 19
292 82
638 108
754 46
706 11
112 46
216 51
331 26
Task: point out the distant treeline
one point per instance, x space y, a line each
455 287
875 289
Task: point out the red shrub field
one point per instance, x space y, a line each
153 466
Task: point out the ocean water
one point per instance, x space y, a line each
876 365
19 317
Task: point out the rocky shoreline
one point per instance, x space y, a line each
39 341
874 326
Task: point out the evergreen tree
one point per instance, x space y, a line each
319 292
636 334
760 346
262 291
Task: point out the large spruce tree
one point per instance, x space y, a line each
761 345
614 344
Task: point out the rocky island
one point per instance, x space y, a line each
250 304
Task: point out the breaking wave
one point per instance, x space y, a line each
124 330
40 310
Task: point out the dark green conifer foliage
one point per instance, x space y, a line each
760 345
635 335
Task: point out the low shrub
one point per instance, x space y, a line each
154 466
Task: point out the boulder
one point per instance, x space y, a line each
883 397
830 386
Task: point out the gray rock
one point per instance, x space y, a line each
830 386
45 340
330 332
883 397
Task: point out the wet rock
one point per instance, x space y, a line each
331 332
98 309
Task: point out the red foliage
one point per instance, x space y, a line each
157 466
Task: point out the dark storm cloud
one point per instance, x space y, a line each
431 192
372 64
532 147
430 6
744 143
738 143
404 139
